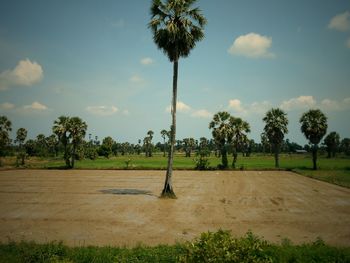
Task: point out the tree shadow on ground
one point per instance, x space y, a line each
59 167
305 168
126 192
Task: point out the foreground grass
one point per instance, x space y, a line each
209 247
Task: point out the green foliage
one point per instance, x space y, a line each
202 163
332 142
275 128
127 163
228 131
217 246
314 125
345 146
315 252
5 128
106 148
71 132
202 160
220 246
91 153
176 27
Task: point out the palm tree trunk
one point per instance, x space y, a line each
73 156
168 185
224 157
234 154
277 162
164 147
314 156
66 155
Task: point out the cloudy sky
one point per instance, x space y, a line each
97 60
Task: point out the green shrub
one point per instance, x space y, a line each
202 163
222 247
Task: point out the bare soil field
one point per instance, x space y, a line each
122 207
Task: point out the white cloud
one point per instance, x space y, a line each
302 102
202 114
36 106
340 22
146 61
126 112
235 105
136 79
26 73
334 105
252 45
102 110
245 109
7 106
180 106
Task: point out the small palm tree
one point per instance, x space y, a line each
332 142
61 129
21 136
77 131
71 132
176 28
314 127
240 128
222 131
275 129
5 128
164 134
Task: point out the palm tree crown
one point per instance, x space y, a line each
276 125
176 27
314 125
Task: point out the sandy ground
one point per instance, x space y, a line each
123 208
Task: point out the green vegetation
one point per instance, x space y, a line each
314 127
335 176
275 129
218 246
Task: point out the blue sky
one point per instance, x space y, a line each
97 60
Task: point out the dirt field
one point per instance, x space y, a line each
123 208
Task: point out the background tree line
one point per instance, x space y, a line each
230 138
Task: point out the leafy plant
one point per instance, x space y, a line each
220 246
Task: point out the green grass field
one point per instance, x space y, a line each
332 170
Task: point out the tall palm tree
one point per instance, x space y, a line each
176 28
5 128
222 132
275 129
77 131
314 126
240 128
61 129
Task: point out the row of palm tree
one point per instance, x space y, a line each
228 130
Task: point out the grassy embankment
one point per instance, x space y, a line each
334 170
210 247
